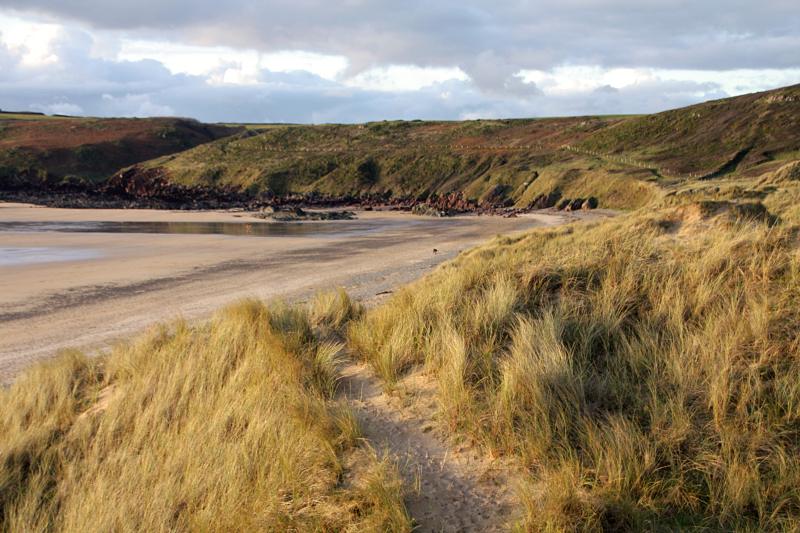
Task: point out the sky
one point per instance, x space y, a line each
318 61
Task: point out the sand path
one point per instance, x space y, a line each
451 488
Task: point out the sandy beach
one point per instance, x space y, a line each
125 282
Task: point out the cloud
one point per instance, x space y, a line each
712 34
58 108
391 61
82 84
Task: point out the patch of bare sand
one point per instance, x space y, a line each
451 488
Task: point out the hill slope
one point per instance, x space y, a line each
734 147
624 161
748 134
50 148
486 160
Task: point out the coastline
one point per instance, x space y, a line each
143 279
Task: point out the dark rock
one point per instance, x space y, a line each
496 196
297 214
590 203
544 201
427 210
574 205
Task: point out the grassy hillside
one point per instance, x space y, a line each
231 426
747 135
34 146
625 161
486 160
644 370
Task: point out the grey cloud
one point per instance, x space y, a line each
79 83
521 34
494 73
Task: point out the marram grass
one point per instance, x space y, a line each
230 426
644 370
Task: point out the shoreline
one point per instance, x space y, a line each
143 279
137 188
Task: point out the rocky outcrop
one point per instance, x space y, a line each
297 214
150 185
545 201
574 205
138 187
590 203
578 204
497 196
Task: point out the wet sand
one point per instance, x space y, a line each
130 281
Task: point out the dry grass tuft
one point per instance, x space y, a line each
230 426
647 380
333 310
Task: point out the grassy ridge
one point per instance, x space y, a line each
497 159
625 161
11 115
645 370
226 427
33 146
749 135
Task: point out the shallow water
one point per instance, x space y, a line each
21 255
31 255
243 229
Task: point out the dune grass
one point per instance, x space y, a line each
229 426
645 370
334 310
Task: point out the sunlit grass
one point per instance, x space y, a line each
231 426
645 370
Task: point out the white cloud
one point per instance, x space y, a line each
329 67
205 60
63 108
32 40
583 78
136 105
404 77
572 79
64 67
